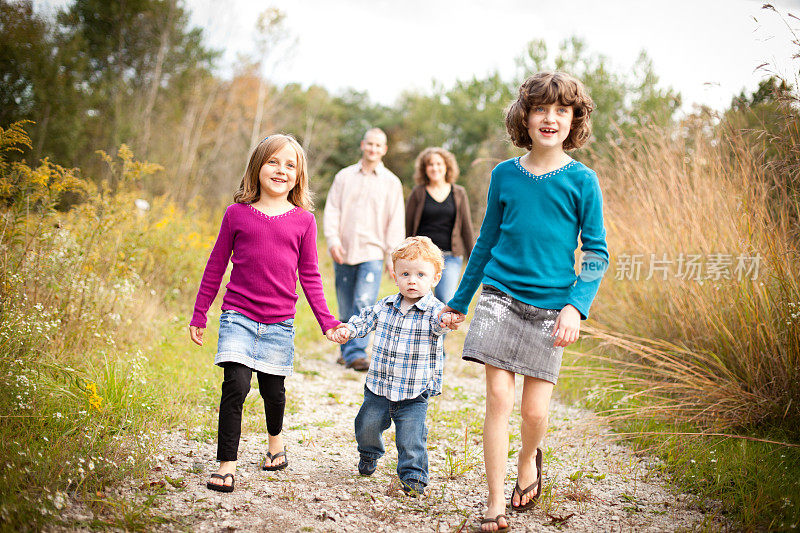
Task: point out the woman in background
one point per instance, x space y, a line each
439 209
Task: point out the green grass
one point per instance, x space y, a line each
757 483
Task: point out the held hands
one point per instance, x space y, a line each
340 334
450 318
196 334
567 327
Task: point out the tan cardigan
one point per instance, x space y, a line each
463 238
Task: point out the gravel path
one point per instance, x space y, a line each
591 483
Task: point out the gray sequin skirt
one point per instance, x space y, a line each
514 336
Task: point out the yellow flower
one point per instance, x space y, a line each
92 397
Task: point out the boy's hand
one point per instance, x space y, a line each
332 334
196 334
450 318
567 326
340 334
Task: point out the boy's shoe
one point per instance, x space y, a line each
360 365
367 466
413 487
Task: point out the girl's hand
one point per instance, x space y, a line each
196 334
450 318
340 334
567 327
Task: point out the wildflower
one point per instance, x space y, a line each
92 397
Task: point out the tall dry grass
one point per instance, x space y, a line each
720 346
84 294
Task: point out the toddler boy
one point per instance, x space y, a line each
407 363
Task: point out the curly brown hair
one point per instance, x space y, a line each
421 178
550 88
249 189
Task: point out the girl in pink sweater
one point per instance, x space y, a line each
270 236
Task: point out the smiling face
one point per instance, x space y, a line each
549 125
415 277
278 175
374 146
436 169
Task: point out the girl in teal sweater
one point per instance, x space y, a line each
532 301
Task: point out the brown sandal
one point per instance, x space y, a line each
535 484
495 520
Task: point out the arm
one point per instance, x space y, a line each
411 206
593 265
310 280
395 218
365 322
593 244
330 222
467 232
481 253
212 276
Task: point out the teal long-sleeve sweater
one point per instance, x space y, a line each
529 234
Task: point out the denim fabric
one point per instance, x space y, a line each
267 348
356 288
411 433
451 275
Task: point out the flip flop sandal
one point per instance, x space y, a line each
271 458
495 520
535 484
223 487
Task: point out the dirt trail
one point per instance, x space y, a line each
592 483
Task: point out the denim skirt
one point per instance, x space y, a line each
514 336
267 348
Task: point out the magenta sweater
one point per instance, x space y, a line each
267 254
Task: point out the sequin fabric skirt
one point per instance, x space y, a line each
514 336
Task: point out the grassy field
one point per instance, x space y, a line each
95 358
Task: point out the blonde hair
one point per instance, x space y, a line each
421 177
419 248
550 88
250 190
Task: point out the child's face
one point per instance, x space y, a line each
415 278
549 124
278 175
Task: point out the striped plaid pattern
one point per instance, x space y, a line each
408 350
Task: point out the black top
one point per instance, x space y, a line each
437 220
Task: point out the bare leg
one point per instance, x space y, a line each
535 404
499 403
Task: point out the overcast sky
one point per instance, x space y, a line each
706 49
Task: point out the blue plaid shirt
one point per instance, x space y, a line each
408 350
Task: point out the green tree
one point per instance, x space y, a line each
623 102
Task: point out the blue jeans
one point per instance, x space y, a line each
451 275
411 433
356 288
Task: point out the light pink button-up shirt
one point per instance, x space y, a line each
364 213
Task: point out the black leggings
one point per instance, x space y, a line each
235 387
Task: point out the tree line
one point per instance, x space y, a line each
94 75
